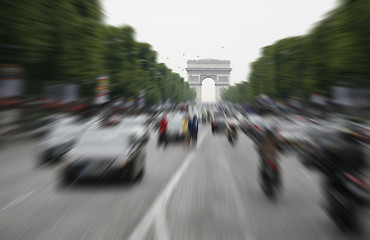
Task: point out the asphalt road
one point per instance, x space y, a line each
210 192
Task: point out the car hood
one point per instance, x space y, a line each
98 153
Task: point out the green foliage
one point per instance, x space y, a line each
335 52
65 41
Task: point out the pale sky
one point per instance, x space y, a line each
234 30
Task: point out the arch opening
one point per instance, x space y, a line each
208 90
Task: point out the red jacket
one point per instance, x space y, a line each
163 125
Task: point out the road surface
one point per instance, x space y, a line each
210 192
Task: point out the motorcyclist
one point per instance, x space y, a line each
343 160
268 147
347 154
231 130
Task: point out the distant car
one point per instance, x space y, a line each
113 120
44 125
291 136
104 154
360 130
219 124
95 122
58 141
257 127
174 128
157 119
245 125
143 119
314 152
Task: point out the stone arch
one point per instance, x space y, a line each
218 70
208 89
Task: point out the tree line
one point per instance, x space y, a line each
334 53
66 41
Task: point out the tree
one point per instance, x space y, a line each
335 52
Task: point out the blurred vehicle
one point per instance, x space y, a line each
174 128
270 177
59 141
358 129
204 116
157 120
347 195
218 123
231 131
104 154
137 125
143 119
257 127
292 136
342 164
113 120
95 122
44 125
245 125
313 154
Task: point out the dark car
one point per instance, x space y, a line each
257 127
105 154
314 153
58 141
245 125
219 124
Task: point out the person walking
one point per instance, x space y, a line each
185 130
193 129
163 131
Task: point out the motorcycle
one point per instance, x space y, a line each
270 177
231 134
347 195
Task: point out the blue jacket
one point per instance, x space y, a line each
193 125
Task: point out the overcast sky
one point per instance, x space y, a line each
234 30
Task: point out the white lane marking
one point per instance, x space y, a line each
159 205
161 230
17 200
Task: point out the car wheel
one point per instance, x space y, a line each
43 160
131 176
141 174
66 180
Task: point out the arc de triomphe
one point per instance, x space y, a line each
218 70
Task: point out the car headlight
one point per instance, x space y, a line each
68 159
122 161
